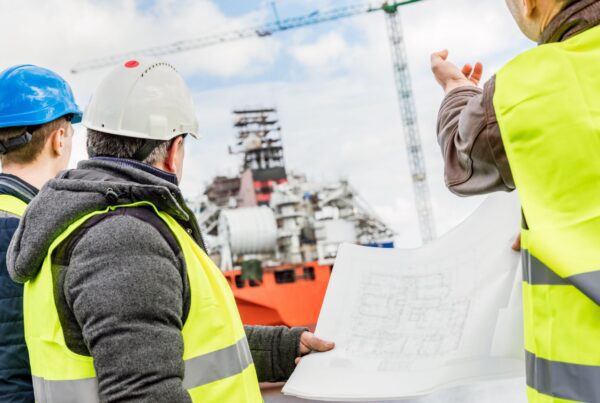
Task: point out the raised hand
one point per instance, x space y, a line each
450 76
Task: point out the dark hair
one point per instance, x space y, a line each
30 151
110 145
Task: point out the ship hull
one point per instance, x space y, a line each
289 295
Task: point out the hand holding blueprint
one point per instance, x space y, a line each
410 322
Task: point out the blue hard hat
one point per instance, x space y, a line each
31 95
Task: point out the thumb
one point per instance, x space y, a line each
438 57
311 342
517 244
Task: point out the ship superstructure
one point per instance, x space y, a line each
275 233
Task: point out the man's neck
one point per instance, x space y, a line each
35 173
549 14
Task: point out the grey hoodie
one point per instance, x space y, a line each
121 288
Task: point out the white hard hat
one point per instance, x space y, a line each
142 98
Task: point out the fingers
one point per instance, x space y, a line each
473 73
309 342
450 76
467 70
477 73
443 71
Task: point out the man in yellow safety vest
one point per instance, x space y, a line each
121 301
535 126
36 111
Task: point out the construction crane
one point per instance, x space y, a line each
408 112
401 74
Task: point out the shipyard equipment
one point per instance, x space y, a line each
270 214
274 233
401 75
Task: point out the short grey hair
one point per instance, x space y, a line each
101 144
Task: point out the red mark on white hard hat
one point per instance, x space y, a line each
132 63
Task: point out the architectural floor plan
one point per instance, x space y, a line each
410 322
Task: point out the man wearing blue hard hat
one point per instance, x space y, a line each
37 109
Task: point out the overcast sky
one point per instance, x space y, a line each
332 83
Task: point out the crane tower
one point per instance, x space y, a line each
408 112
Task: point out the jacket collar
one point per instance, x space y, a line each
17 187
140 165
574 19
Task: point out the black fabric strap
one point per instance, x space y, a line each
146 149
9 145
61 256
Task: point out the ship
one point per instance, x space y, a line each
273 232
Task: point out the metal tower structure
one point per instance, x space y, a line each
259 136
401 74
408 112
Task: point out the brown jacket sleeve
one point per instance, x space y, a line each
474 158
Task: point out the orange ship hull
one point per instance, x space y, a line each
289 295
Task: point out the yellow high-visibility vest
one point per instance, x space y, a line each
547 103
12 205
218 363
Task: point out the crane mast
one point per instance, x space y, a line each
401 74
408 112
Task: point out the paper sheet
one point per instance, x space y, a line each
410 322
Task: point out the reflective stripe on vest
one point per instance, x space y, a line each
547 103
536 272
218 362
12 205
199 371
580 383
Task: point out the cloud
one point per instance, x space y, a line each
322 54
342 119
333 83
83 30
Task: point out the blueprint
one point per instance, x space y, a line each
410 322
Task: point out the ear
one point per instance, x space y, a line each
172 154
57 141
529 7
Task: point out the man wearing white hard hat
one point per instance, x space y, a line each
114 262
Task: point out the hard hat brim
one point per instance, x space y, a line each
35 119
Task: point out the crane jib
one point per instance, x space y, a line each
280 25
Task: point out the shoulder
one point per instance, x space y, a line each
527 66
123 256
128 240
126 231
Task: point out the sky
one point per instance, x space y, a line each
332 84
